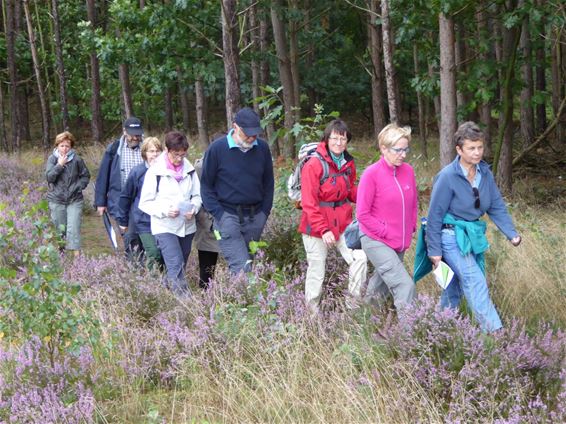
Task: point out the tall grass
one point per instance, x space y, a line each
244 352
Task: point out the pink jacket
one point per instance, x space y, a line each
387 204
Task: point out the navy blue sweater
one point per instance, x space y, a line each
231 177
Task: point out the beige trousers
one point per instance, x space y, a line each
316 258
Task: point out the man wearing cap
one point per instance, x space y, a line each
119 158
237 188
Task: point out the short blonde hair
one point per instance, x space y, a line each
150 142
66 135
391 134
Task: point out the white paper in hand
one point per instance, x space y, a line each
185 206
443 274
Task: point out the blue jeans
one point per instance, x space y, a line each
469 281
236 237
175 251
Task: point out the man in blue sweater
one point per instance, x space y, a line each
120 157
237 188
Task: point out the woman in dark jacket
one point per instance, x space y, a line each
150 149
67 176
327 211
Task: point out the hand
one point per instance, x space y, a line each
62 160
435 260
328 238
123 230
515 241
173 213
101 210
190 214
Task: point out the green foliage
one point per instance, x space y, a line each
34 300
307 130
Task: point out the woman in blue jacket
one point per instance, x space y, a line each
462 193
150 149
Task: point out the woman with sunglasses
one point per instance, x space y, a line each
462 193
387 214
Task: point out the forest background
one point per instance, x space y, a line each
86 65
93 339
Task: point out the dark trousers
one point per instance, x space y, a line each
207 264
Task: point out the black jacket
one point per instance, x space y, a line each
66 183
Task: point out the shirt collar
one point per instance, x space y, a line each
465 171
232 144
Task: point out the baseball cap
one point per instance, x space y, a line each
248 121
133 126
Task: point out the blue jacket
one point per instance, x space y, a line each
452 193
130 198
231 177
109 179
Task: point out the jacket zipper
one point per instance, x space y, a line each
403 207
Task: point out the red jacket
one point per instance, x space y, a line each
317 219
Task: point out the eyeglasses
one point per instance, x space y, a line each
477 203
398 150
178 155
338 139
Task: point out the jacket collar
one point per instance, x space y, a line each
323 151
483 165
161 167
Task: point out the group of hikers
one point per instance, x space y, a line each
162 204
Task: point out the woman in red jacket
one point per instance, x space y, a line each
327 211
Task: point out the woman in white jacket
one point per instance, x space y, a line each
171 197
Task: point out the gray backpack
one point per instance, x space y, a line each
306 152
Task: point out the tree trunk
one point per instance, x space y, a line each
527 116
294 59
376 50
60 66
13 75
168 100
255 66
45 115
420 105
435 98
503 149
558 71
485 107
390 74
127 103
201 112
3 137
184 100
285 74
96 120
540 77
264 47
231 56
447 90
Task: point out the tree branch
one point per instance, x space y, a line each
544 135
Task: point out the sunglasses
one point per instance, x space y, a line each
477 203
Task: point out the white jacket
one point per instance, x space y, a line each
157 201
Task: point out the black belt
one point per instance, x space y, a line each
333 204
447 226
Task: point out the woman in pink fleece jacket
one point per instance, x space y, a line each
387 213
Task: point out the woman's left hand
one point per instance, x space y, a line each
328 238
189 215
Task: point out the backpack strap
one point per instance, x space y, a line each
325 168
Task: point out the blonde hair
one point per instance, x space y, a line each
149 142
66 135
391 134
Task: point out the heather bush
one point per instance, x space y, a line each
475 376
37 388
